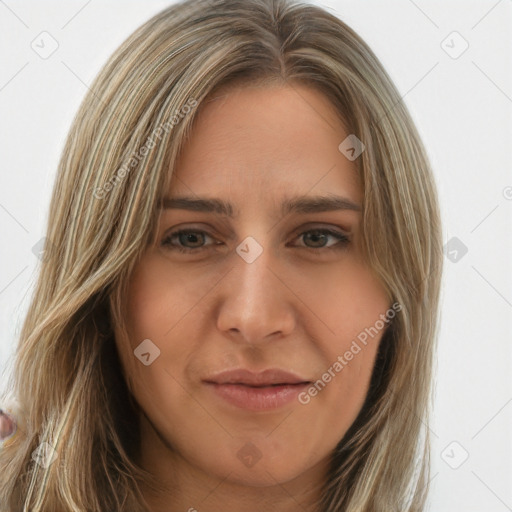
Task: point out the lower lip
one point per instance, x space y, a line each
258 399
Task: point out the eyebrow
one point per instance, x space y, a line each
300 205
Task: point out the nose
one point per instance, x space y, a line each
255 301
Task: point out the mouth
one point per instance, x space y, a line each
269 377
266 390
261 385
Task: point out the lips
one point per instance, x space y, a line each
263 391
269 377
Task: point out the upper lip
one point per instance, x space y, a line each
269 377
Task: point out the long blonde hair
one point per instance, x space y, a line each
113 170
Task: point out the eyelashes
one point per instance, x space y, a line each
182 234
173 241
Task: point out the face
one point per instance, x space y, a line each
244 316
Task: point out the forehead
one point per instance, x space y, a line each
266 140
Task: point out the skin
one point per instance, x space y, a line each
7 427
297 307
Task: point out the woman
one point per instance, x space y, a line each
238 305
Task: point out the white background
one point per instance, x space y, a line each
462 107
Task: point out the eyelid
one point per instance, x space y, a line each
343 238
318 226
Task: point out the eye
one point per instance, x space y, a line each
190 238
319 238
192 241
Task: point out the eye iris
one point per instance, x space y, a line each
315 236
184 238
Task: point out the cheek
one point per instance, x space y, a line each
157 309
147 317
157 301
346 300
350 303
